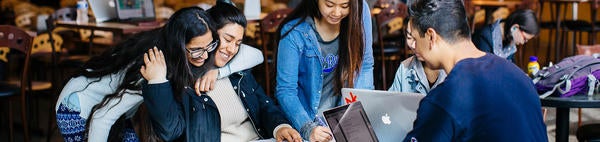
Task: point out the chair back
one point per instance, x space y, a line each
19 41
65 14
390 39
270 22
391 19
588 49
25 20
268 29
43 44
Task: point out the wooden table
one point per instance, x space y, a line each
563 105
119 30
491 5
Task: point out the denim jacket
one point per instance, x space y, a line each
299 72
410 77
198 116
489 39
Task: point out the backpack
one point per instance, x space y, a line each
571 76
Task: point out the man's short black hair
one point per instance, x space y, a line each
447 17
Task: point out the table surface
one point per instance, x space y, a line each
496 3
577 101
576 1
108 26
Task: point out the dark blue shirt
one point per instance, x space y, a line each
482 99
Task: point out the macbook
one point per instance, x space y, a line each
104 10
127 11
349 123
390 113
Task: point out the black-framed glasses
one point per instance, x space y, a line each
199 51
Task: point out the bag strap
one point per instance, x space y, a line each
548 93
591 84
565 79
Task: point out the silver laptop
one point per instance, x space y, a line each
123 10
135 9
391 113
349 123
104 10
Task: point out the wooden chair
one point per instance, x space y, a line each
25 21
19 41
268 29
390 38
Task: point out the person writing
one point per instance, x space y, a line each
502 37
324 45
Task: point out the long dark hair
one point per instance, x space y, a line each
526 20
222 14
351 38
127 57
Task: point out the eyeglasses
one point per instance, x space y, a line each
197 52
523 36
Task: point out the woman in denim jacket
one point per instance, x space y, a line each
412 76
309 75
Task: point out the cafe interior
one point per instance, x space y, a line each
42 44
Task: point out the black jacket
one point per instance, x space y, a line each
199 115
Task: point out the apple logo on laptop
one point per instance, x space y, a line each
386 119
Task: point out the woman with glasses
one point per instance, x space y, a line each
236 110
106 92
502 37
413 75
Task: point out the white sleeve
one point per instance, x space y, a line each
246 58
279 127
106 116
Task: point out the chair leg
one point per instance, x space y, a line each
579 117
24 118
11 128
51 119
544 111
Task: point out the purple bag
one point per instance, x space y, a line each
571 76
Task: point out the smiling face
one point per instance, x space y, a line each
231 36
333 11
201 42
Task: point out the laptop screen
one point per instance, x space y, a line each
349 122
134 9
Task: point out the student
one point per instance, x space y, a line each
108 86
412 75
502 37
483 98
324 45
236 110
